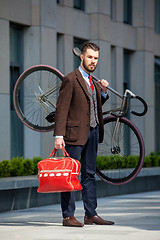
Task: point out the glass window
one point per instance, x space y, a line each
157 104
157 16
127 11
78 43
126 85
113 76
60 2
113 9
16 66
79 4
60 52
127 55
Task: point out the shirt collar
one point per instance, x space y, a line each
84 74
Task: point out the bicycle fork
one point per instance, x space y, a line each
115 148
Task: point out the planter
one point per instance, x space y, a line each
21 192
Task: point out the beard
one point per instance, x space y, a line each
89 68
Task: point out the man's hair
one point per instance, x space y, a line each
90 45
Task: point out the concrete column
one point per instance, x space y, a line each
104 64
138 13
100 27
48 13
32 46
119 10
118 75
68 55
40 47
149 96
142 84
149 13
101 6
49 57
68 3
32 53
103 70
119 69
48 46
4 91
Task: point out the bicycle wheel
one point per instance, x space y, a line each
35 95
123 154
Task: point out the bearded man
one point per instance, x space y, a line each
79 127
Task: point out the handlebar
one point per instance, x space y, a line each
127 99
144 105
77 52
122 114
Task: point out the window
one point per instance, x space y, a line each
113 75
113 9
157 104
126 85
79 4
60 52
157 16
16 66
60 2
78 43
127 11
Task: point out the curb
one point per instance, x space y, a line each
21 192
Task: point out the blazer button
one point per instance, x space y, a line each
88 113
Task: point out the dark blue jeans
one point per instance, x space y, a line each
88 154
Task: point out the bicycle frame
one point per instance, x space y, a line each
44 96
45 103
117 129
43 99
119 112
121 132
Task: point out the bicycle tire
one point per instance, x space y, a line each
33 82
130 144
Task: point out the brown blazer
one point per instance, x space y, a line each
72 119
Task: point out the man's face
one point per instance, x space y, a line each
89 60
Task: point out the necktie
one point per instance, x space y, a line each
91 83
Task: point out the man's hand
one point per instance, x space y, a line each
103 85
59 143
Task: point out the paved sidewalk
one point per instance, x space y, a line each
136 216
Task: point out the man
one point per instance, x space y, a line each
79 127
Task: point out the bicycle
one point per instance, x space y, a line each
34 97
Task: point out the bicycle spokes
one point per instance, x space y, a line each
115 147
122 151
38 86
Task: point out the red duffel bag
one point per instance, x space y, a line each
58 174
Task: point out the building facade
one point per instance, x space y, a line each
45 31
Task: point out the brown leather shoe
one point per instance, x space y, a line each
96 220
72 222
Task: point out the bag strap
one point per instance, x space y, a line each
53 153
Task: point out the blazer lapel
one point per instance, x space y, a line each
81 81
83 85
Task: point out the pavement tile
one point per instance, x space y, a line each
136 216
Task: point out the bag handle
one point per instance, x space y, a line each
53 153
